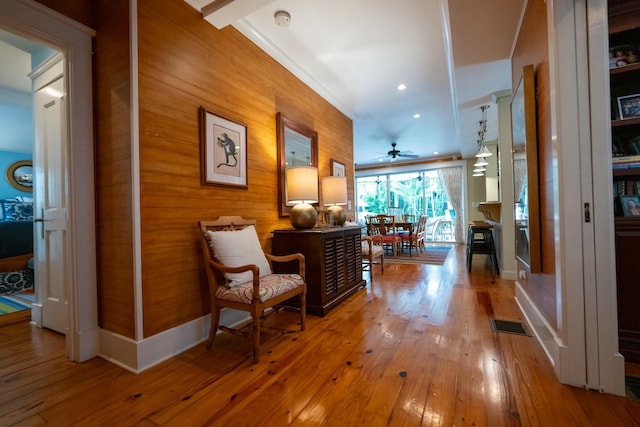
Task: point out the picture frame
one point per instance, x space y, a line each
223 151
629 106
630 206
623 55
337 168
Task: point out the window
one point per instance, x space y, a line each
413 193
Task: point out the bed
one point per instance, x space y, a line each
16 246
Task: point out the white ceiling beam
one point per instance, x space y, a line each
221 13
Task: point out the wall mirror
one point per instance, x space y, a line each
20 175
525 171
297 146
492 173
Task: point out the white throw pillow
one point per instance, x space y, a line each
238 248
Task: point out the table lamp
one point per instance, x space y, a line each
302 189
334 194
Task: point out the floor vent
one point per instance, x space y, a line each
509 327
633 387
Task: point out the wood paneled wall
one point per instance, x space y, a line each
78 10
185 63
114 184
532 48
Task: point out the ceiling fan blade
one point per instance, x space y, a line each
413 156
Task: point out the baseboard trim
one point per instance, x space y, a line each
508 274
541 329
138 356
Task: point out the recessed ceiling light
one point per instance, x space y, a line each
435 153
402 86
416 116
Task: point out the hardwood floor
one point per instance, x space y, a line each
415 348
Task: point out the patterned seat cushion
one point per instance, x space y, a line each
271 286
375 249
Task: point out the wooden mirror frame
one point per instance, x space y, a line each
524 126
13 179
283 123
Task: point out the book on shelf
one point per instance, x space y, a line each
636 187
619 187
634 145
626 162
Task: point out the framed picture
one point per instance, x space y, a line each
223 151
630 205
629 106
337 168
622 55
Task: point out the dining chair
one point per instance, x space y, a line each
371 250
415 238
385 232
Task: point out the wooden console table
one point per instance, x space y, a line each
333 259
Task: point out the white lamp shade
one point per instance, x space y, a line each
334 190
302 184
481 162
484 152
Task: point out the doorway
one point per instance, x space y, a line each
17 289
32 21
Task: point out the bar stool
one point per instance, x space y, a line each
480 241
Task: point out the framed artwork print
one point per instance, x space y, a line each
223 151
630 205
337 168
629 106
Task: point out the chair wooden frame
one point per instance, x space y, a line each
415 238
369 256
384 231
215 278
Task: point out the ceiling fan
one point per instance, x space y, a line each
393 153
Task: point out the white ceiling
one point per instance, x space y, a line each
452 56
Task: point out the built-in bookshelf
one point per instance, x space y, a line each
624 78
624 66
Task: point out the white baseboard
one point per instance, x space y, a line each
541 329
508 274
137 356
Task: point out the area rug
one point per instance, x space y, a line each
432 254
633 387
16 302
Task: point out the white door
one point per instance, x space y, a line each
50 210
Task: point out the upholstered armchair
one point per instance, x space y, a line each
240 276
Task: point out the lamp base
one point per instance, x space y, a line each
303 216
339 215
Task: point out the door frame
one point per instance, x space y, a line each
585 348
34 21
